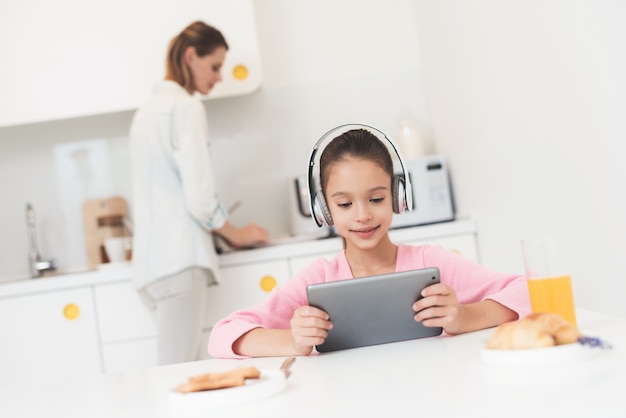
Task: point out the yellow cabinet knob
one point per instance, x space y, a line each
71 311
267 283
240 72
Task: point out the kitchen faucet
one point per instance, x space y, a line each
37 265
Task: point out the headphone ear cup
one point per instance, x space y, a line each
398 195
321 213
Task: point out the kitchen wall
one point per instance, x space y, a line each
522 97
527 101
316 75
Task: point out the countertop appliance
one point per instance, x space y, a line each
432 198
432 193
302 224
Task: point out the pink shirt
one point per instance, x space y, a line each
471 282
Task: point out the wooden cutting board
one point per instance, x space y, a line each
102 218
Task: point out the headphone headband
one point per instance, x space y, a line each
319 210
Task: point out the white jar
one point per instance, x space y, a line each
409 137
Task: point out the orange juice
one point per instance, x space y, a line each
553 294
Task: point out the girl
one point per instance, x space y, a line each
357 180
175 201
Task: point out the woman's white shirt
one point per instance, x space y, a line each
175 201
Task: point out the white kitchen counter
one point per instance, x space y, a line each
439 377
286 249
64 281
94 322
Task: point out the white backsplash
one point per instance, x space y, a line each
259 143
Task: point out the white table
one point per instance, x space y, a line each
441 376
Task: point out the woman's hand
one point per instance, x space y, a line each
439 307
309 327
250 234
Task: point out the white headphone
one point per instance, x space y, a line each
401 200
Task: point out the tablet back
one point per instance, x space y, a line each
373 310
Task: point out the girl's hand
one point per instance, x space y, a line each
439 307
309 327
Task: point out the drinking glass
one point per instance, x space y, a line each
548 277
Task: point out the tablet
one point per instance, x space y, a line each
373 310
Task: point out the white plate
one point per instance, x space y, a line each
538 356
270 383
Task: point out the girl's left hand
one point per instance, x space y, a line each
309 327
439 307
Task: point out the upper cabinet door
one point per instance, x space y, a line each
68 58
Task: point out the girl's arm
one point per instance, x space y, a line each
474 284
309 327
440 307
263 342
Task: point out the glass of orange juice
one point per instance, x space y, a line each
548 277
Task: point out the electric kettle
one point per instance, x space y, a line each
300 211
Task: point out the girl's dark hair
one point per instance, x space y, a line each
357 143
204 38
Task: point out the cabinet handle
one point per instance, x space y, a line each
267 283
71 311
240 72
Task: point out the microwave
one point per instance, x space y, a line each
430 188
432 193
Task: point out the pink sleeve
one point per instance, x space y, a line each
275 312
471 281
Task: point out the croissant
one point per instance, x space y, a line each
536 330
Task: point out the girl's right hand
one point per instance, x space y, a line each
309 327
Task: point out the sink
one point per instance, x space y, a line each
223 247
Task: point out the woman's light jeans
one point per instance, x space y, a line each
178 304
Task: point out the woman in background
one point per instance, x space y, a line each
176 208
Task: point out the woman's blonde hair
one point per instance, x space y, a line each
204 38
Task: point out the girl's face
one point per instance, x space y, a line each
358 194
206 71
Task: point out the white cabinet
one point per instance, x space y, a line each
121 313
133 354
127 329
48 337
105 56
244 285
